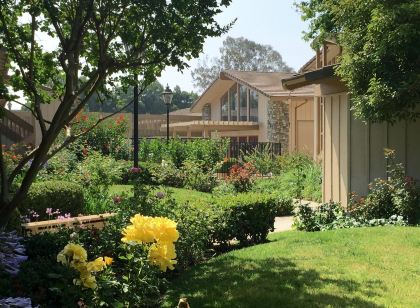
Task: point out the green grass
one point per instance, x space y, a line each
179 194
366 267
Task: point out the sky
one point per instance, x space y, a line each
268 22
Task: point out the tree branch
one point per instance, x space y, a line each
20 166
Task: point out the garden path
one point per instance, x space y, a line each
283 223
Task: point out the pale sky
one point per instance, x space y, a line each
268 22
271 22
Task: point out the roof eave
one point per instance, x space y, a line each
308 78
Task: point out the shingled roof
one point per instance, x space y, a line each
267 83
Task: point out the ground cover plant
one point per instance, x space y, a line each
368 267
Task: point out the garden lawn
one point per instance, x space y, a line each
365 267
181 195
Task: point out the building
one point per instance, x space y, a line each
352 152
254 107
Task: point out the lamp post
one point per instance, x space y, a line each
136 123
167 96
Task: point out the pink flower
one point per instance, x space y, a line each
135 170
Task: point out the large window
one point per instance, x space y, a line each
239 104
253 106
243 103
233 94
224 108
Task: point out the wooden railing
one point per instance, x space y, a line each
15 128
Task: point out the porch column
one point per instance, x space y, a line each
205 132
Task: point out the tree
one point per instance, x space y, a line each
238 54
150 101
101 44
381 52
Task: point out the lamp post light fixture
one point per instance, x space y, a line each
167 96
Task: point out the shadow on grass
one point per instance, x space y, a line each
238 282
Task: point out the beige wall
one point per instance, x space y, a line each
353 153
368 142
301 117
336 148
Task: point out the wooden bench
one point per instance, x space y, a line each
91 221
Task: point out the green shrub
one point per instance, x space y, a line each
224 189
96 173
262 159
208 152
66 196
330 216
166 173
245 217
197 179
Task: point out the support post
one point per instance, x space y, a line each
136 123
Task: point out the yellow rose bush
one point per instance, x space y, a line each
75 256
160 232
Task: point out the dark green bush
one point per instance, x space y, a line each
66 196
245 217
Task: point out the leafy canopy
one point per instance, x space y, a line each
239 54
66 51
381 52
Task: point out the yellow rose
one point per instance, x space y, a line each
165 230
141 230
96 265
162 254
108 260
74 252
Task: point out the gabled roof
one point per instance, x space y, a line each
265 83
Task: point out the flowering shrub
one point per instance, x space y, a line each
160 232
109 137
242 177
75 256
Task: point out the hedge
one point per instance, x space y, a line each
248 217
66 196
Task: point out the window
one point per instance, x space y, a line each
233 93
253 106
243 103
224 108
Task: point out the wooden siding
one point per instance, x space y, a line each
301 119
368 142
336 148
354 151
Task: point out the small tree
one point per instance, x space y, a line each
239 54
100 44
381 52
